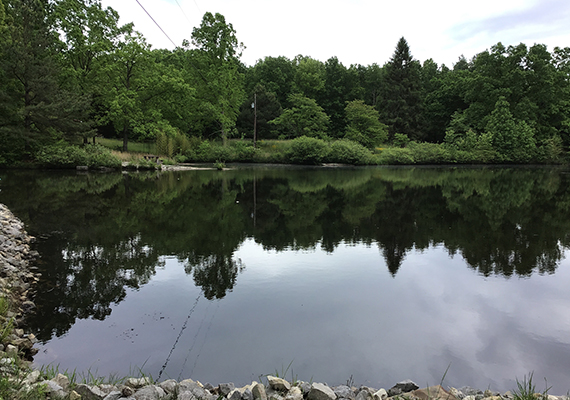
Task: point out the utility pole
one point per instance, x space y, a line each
254 106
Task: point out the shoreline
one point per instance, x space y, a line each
18 278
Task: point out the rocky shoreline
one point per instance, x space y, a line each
18 278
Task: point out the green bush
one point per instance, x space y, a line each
396 155
243 151
306 150
65 156
429 153
348 152
400 140
550 152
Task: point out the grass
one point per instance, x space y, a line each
134 147
7 323
526 390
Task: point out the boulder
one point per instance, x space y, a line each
294 394
433 393
278 383
402 387
90 392
226 388
344 392
169 386
113 395
381 394
53 389
258 392
320 391
137 383
151 392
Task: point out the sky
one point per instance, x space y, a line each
358 31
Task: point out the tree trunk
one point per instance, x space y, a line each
125 139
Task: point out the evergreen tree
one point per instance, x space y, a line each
400 98
33 107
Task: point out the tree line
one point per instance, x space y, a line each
69 71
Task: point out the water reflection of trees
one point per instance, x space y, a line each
106 233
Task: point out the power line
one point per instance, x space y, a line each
183 13
162 30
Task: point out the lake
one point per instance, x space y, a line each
370 275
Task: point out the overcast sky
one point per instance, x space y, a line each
358 31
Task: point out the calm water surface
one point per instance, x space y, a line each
379 274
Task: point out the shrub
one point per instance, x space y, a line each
243 151
429 153
400 140
348 152
396 156
64 156
306 150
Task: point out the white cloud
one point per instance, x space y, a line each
358 31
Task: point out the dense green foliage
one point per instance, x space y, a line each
69 72
118 226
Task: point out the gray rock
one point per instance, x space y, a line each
53 389
305 387
169 386
113 395
32 377
226 388
90 392
61 380
294 394
127 391
151 392
247 394
320 391
234 395
278 383
258 392
137 383
344 392
380 394
402 387
364 394
469 391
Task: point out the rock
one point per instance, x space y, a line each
344 392
90 392
258 392
433 393
294 394
305 387
456 393
226 388
32 378
74 395
402 387
113 395
151 392
380 395
234 395
248 395
278 383
469 391
320 391
62 381
169 386
127 391
364 394
137 383
53 389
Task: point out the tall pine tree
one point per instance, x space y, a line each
400 97
33 108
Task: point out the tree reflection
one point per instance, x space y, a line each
104 234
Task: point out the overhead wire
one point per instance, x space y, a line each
183 13
156 23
